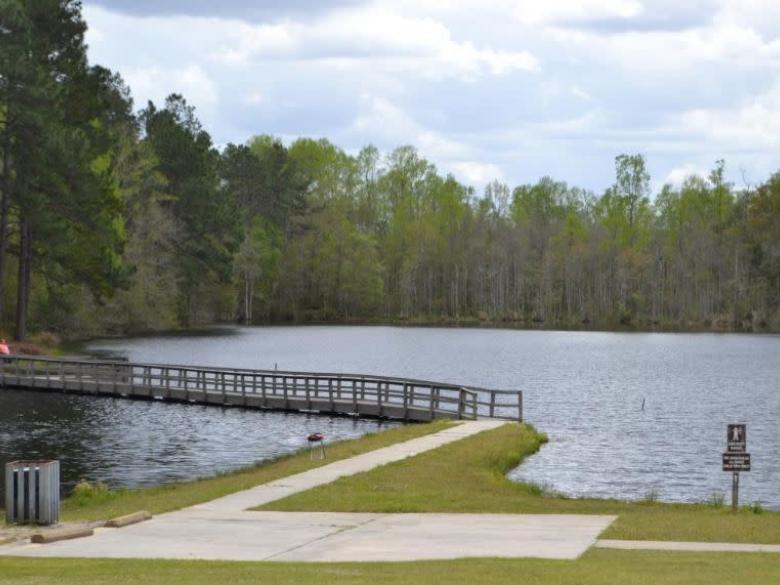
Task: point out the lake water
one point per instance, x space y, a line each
129 443
584 389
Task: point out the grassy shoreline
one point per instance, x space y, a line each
470 476
467 476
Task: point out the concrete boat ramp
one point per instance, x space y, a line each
224 529
325 536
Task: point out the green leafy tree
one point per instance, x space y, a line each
257 264
281 194
208 231
60 120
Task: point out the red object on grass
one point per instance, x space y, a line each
315 437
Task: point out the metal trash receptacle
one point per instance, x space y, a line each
32 492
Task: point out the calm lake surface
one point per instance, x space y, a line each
584 389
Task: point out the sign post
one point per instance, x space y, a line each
736 458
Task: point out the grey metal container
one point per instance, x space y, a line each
32 492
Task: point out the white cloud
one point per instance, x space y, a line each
94 35
383 122
577 91
475 172
375 36
156 83
387 123
565 11
676 177
763 16
685 82
255 98
667 52
754 124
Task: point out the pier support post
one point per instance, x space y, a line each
520 406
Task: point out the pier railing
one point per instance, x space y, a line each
362 395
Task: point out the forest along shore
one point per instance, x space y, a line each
545 255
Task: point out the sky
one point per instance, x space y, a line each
511 90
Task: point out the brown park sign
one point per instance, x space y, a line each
736 438
736 458
736 462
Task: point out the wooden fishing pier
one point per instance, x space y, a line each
343 394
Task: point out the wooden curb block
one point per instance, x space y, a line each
61 534
128 519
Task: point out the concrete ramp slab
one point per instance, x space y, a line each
409 537
331 537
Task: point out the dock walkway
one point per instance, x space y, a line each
347 394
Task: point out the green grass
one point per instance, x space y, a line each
597 567
465 476
101 504
470 476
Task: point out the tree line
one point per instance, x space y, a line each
116 220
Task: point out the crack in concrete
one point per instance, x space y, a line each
341 530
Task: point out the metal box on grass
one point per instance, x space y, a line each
32 492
